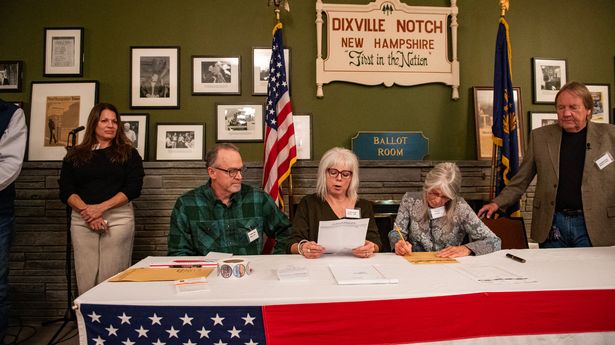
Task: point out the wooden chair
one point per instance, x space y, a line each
511 230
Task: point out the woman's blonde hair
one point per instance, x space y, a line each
343 157
447 177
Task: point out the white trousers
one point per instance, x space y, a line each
99 256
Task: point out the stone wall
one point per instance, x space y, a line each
38 254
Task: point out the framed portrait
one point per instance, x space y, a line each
216 75
548 75
11 76
260 69
56 109
539 119
154 78
239 122
180 141
600 95
483 116
303 135
63 52
135 128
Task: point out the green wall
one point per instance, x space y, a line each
577 30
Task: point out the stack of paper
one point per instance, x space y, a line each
191 285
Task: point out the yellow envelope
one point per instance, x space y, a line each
146 274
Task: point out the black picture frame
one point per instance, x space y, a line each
139 125
548 76
154 77
55 109
11 76
64 56
167 151
240 122
261 57
216 75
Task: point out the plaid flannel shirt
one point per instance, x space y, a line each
200 223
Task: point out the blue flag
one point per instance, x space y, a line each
505 126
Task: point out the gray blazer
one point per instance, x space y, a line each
597 188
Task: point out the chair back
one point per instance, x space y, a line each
511 230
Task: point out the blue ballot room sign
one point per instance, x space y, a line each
390 145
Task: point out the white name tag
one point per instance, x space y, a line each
353 213
252 235
605 160
435 213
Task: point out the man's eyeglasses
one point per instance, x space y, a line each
334 172
232 172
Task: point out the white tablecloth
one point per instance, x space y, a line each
551 269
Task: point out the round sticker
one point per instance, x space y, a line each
226 271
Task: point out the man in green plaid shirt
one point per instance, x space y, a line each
225 215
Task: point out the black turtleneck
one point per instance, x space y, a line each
571 162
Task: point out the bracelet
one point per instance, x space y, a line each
299 246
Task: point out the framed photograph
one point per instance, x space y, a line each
260 69
135 128
56 109
539 119
483 116
549 75
600 94
180 141
303 135
216 75
239 122
154 78
11 76
63 52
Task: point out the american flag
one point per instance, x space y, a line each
170 325
280 149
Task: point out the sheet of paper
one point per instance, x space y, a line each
493 275
360 274
343 235
428 258
217 256
146 274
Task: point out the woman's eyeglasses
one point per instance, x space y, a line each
232 172
334 172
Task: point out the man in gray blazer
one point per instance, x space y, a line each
574 204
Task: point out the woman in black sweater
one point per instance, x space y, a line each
99 178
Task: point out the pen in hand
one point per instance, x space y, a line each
401 237
514 257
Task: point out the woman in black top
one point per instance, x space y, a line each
99 178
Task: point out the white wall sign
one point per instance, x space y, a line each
387 42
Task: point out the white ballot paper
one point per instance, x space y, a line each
360 274
343 235
494 275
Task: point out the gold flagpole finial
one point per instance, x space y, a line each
504 4
277 4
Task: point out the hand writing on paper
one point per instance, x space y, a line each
403 247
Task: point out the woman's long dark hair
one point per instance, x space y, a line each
120 145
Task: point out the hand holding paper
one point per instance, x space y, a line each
342 236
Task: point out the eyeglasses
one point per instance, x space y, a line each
435 194
334 172
232 172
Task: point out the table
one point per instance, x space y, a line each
573 296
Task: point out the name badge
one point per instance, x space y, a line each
605 160
354 213
252 235
435 213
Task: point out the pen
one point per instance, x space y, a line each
514 257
